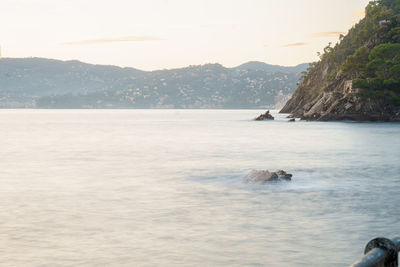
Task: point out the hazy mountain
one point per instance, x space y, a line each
48 83
41 77
257 65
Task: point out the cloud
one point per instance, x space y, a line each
327 34
294 44
114 40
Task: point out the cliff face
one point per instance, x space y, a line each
331 89
315 99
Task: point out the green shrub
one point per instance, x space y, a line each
395 100
376 84
373 94
391 84
361 83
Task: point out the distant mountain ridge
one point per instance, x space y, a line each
257 65
49 83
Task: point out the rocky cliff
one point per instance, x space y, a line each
348 82
316 99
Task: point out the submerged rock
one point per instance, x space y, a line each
262 177
292 120
265 116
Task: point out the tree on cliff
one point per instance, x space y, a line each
384 61
355 65
369 55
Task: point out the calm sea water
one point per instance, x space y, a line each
165 188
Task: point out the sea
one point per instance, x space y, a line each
166 188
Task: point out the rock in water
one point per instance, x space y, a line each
284 175
265 116
262 177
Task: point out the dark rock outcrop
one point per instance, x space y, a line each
284 175
265 116
262 177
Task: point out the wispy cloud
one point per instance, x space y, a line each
327 34
114 40
294 44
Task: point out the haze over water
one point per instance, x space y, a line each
165 188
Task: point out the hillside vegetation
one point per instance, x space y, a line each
369 57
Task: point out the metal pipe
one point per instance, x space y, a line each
374 258
380 252
396 242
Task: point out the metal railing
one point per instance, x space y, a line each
380 252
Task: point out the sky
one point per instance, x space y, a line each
164 34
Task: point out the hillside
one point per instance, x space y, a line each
358 78
256 65
47 83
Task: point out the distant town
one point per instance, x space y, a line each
46 83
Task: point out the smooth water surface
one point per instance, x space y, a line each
165 188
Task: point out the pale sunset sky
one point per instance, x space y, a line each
158 34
